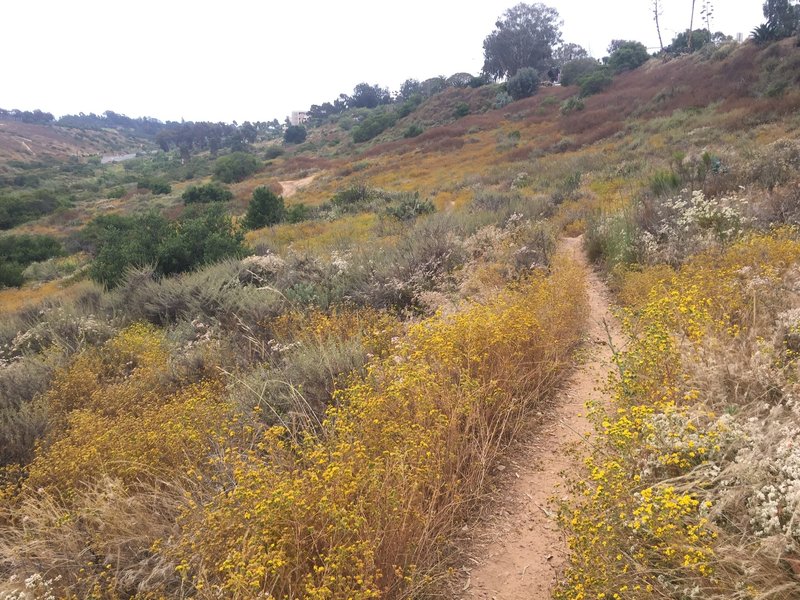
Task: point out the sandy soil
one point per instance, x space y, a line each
290 187
520 550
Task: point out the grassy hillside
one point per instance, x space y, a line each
313 408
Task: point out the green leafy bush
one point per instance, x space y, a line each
461 110
168 247
155 185
295 134
20 208
413 130
627 56
297 213
524 84
595 83
265 208
273 152
236 166
372 126
11 274
574 70
210 192
26 249
572 104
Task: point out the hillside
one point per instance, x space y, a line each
288 370
29 142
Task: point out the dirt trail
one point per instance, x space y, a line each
290 187
521 550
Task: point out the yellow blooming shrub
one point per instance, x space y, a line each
360 510
642 524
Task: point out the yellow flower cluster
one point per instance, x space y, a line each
639 525
358 510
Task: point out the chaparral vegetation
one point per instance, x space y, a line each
259 361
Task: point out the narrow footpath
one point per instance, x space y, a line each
520 551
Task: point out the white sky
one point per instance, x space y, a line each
261 59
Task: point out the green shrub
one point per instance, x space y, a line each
410 207
523 84
297 213
117 192
156 186
664 182
461 110
295 134
409 105
354 198
22 207
595 83
26 249
628 56
265 208
372 126
11 274
572 104
273 152
236 166
168 247
574 70
209 192
413 131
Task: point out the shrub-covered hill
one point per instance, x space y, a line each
196 405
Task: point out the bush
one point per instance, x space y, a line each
574 70
26 249
273 152
156 186
20 208
664 182
236 166
413 131
461 110
409 105
595 83
11 274
524 84
628 56
297 213
122 243
410 207
372 126
295 134
210 192
265 208
571 104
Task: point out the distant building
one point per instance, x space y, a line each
298 117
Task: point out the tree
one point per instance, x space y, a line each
656 16
235 166
295 134
265 208
783 17
409 88
368 96
627 55
523 37
567 53
523 84
699 38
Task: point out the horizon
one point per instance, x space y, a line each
156 68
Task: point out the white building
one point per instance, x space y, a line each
298 117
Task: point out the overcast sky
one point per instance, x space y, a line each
259 60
